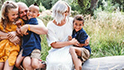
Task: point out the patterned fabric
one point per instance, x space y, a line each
7 49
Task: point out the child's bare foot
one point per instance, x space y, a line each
42 65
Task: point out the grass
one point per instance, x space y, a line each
106 32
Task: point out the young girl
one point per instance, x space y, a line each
8 45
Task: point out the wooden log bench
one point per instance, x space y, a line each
104 63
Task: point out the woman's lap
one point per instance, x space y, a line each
59 59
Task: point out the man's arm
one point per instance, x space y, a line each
10 36
38 29
3 35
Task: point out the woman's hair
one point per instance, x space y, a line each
5 10
79 18
58 9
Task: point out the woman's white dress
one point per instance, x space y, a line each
59 59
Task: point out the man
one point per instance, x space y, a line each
38 29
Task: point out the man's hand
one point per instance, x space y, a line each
15 40
11 35
24 29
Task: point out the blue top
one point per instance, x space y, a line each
81 36
32 40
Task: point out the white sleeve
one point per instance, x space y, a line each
40 22
51 36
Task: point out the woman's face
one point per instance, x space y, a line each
66 12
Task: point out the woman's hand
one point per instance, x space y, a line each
87 41
74 42
69 38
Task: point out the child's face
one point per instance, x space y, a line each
33 12
12 14
78 25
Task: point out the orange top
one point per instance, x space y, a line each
8 50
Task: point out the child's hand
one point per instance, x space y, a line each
18 23
18 31
69 38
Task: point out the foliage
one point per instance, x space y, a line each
80 6
29 2
1 3
42 8
45 48
111 5
48 3
120 2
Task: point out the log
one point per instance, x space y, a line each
104 63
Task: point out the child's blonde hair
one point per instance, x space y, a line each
5 9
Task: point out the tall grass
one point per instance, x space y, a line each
106 34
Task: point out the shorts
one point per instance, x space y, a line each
85 54
35 53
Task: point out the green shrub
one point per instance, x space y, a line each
42 8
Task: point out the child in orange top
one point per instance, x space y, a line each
8 49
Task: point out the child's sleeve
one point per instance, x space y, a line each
1 27
83 37
22 22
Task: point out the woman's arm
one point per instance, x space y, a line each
63 44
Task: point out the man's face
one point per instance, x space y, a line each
23 12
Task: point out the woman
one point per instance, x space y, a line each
59 29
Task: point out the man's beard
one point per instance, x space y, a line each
25 17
